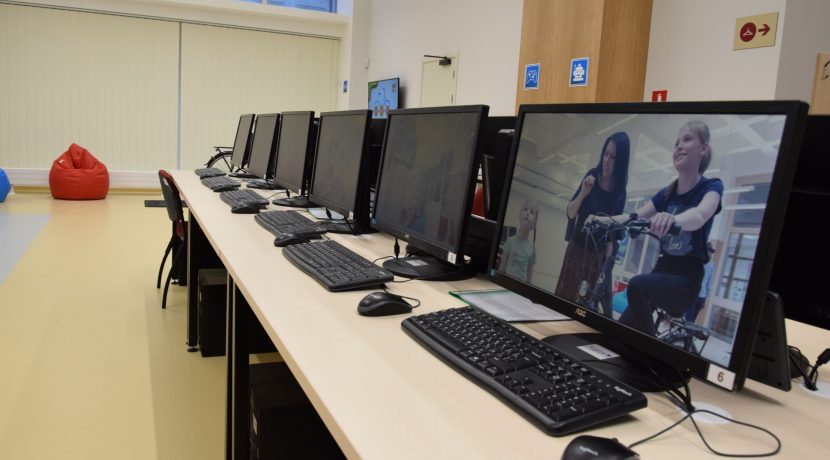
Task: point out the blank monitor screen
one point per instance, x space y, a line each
340 145
263 145
425 177
688 298
292 149
243 135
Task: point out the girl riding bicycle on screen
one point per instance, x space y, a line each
689 202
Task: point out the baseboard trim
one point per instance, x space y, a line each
35 177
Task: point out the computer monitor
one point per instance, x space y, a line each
340 181
264 145
800 284
691 299
425 186
242 143
384 96
295 155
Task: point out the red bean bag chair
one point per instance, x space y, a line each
77 175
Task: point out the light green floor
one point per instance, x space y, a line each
92 367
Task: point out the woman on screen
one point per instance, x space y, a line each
689 202
602 192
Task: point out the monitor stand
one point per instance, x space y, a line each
620 361
770 363
428 268
296 202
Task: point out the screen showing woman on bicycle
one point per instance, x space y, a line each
630 204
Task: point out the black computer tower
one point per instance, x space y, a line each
283 422
212 311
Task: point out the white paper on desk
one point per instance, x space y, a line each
320 213
509 306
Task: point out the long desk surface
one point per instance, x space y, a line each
384 396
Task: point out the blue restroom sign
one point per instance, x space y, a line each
579 72
532 76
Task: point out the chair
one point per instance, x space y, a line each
77 175
178 238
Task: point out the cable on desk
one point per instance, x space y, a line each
808 372
404 297
683 400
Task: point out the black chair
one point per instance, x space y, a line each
178 238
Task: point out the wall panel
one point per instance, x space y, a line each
106 82
227 72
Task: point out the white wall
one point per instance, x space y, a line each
690 51
485 33
806 33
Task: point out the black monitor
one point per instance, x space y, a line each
425 186
341 181
295 156
242 143
264 145
800 283
384 96
645 294
496 142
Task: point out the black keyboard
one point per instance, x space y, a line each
336 267
280 223
263 184
243 196
556 392
220 184
209 172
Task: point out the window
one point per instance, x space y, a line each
328 6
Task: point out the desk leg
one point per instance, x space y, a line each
200 254
240 322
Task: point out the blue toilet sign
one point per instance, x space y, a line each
532 76
579 72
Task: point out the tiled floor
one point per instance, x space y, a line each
92 366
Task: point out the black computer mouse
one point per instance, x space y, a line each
287 239
383 304
587 447
245 208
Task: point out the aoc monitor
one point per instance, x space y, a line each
340 181
644 221
264 145
242 143
425 186
384 96
295 153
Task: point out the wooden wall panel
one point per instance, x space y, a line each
612 33
621 72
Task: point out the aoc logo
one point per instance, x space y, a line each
581 313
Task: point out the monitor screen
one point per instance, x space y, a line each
340 146
424 190
719 171
383 97
263 145
295 130
242 141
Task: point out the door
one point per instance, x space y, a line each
438 82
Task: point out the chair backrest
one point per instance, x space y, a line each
172 200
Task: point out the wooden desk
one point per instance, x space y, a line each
384 396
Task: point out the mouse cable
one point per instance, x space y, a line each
382 258
278 192
683 400
404 297
690 415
